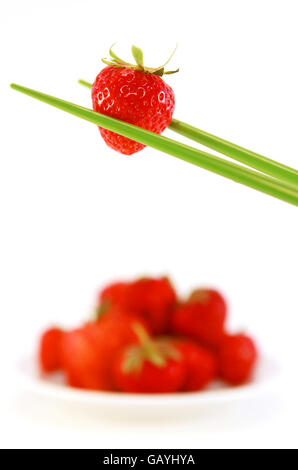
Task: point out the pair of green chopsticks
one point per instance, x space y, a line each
272 177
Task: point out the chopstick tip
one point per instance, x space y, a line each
15 86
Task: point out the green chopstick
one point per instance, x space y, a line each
252 159
84 83
202 159
249 158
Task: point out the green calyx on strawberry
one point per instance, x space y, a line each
199 295
155 351
101 309
137 53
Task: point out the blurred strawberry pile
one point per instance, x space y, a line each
145 340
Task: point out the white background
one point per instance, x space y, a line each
75 214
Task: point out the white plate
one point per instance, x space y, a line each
51 386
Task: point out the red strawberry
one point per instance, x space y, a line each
200 363
83 360
87 352
237 357
154 366
134 94
113 294
49 350
154 300
202 317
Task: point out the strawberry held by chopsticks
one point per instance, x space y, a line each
135 94
128 121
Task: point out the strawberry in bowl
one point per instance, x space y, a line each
145 339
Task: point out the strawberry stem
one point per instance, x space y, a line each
141 333
151 352
138 56
102 309
115 57
137 53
